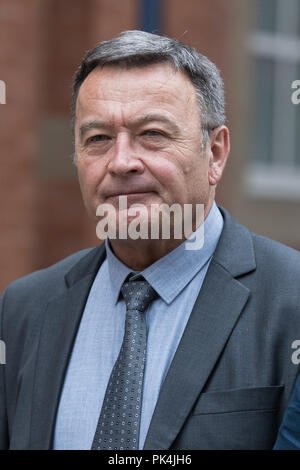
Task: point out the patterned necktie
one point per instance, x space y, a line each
119 421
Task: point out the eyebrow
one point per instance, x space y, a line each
94 124
142 120
155 117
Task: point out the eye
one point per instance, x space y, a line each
99 138
153 133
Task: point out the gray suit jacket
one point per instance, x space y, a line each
231 376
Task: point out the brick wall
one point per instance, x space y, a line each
41 45
19 68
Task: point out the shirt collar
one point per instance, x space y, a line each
170 274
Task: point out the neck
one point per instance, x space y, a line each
139 254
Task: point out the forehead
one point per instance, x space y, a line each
129 90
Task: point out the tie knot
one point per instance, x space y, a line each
138 294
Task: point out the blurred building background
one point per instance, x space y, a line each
255 44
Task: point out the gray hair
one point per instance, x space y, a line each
139 48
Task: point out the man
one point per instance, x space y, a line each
144 343
289 432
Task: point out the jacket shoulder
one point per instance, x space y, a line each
242 251
276 255
45 281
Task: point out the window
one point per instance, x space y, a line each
274 45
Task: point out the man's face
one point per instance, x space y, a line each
138 133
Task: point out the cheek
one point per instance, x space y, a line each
83 180
170 177
197 180
89 177
176 178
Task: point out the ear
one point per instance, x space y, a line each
219 147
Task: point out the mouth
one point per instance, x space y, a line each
130 194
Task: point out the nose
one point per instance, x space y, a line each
124 160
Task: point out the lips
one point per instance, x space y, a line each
128 192
139 193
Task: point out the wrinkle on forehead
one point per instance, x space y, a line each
159 76
158 85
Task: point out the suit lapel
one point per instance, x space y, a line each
62 319
214 316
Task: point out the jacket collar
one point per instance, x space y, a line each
235 252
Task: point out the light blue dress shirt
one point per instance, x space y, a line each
177 278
